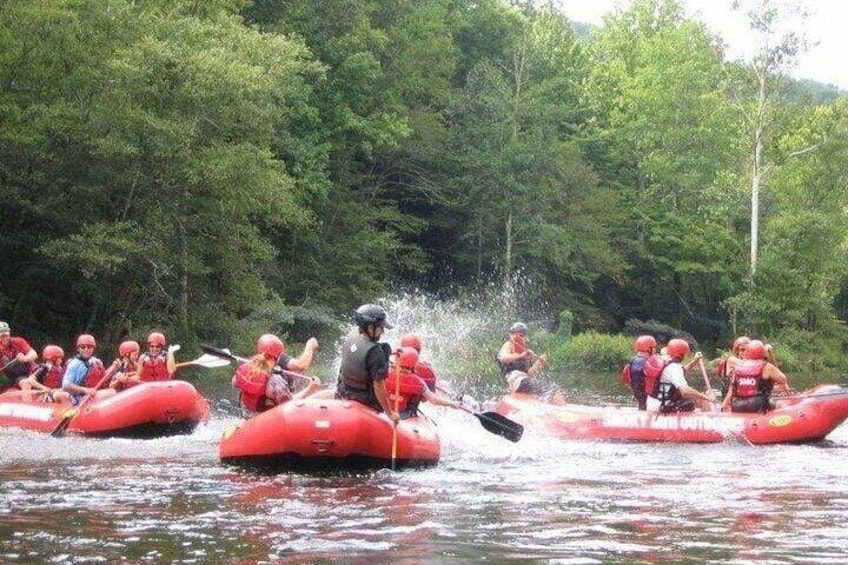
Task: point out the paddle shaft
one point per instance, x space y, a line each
394 423
227 355
706 377
63 425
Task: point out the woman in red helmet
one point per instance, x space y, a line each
157 363
423 368
753 380
675 394
260 386
124 369
727 363
47 377
411 390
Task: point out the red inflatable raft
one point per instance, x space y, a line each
800 418
147 410
327 434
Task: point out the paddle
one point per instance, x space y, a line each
706 377
497 424
205 360
71 413
493 422
225 354
397 401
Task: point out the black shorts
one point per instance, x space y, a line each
682 405
750 404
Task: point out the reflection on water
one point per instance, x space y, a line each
170 501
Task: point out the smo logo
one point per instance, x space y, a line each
780 421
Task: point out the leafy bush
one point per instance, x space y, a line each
590 351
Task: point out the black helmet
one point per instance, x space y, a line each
518 328
371 315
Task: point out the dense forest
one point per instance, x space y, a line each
225 167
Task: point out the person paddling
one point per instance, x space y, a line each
727 363
645 346
299 364
124 369
423 369
261 382
520 365
753 380
47 377
674 393
412 389
84 372
17 357
157 363
365 361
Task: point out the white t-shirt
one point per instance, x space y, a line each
673 374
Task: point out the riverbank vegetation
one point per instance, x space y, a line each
222 168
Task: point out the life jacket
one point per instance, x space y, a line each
153 368
522 364
8 356
633 372
127 368
666 393
654 366
49 375
425 370
748 378
96 371
409 391
354 381
251 384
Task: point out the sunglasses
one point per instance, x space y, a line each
86 347
152 345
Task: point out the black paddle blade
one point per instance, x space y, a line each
501 425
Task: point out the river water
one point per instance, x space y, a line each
78 500
541 500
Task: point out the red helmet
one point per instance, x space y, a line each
741 341
677 348
411 340
86 339
756 349
155 338
408 357
645 343
128 347
270 345
51 352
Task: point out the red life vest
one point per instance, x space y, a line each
153 368
96 371
53 378
654 366
425 370
252 384
748 378
128 368
410 392
8 355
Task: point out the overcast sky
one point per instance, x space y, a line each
826 62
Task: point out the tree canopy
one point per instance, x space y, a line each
228 167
